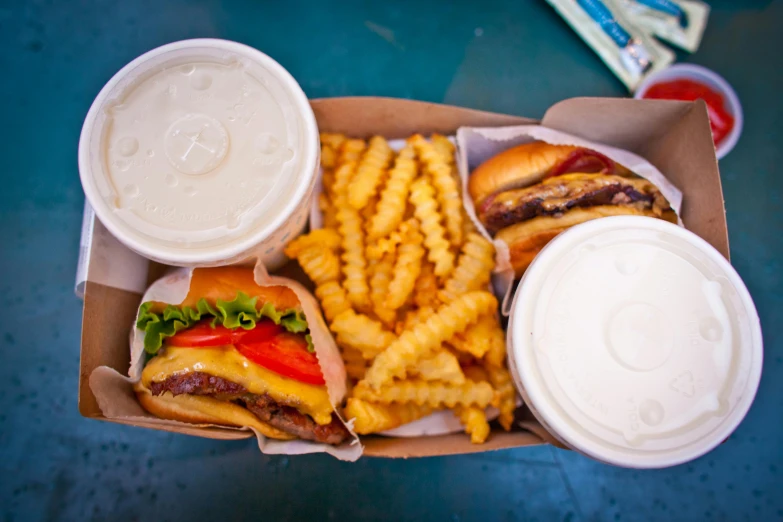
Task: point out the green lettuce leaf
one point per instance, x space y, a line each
295 323
241 312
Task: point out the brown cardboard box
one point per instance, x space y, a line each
673 136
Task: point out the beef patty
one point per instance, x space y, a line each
557 195
282 417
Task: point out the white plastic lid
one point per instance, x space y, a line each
197 151
635 342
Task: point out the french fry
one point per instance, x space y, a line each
327 179
320 264
442 179
333 299
475 372
359 332
342 178
452 318
369 210
430 393
328 211
475 421
369 172
445 148
477 339
387 245
354 263
414 317
350 150
441 366
355 365
474 268
501 381
391 207
332 140
465 359
372 418
426 211
328 156
406 268
408 319
330 144
496 355
425 292
321 238
379 288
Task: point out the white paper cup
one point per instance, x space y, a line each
688 71
199 153
635 342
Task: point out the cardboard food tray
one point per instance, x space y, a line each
673 136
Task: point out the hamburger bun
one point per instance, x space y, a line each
526 239
516 167
224 283
196 409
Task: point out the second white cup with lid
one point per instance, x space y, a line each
201 152
635 342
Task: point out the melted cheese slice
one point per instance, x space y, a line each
227 363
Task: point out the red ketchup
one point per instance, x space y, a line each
721 121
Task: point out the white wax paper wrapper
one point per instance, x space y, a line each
117 400
477 144
440 422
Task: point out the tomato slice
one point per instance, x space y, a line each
202 335
267 345
287 355
583 160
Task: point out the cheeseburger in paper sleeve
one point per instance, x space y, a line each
234 347
527 184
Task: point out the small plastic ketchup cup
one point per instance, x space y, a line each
688 82
684 89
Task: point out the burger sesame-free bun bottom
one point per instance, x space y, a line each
200 410
110 387
674 136
526 239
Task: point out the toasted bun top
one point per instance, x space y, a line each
516 167
224 283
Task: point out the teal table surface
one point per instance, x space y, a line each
517 57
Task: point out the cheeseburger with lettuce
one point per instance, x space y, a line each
235 353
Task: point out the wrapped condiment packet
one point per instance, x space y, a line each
679 22
475 145
629 51
116 399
